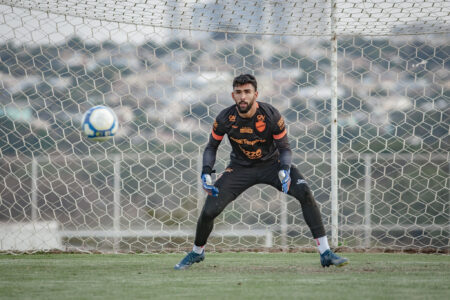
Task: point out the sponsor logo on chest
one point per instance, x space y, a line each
246 130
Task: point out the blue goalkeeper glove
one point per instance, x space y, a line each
285 180
208 186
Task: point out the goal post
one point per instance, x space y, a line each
334 128
363 87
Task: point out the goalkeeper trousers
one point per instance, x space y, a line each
236 179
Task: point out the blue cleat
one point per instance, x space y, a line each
328 258
189 260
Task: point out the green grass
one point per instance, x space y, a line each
224 276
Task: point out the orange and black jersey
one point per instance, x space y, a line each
254 140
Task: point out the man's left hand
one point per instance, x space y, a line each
285 179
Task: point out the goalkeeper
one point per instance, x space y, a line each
260 154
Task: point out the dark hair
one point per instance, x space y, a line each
243 79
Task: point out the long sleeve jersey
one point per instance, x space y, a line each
254 140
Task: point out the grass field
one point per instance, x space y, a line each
224 276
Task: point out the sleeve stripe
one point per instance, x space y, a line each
216 137
281 135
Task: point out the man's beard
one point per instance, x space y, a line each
247 108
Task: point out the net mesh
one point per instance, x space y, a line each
140 191
286 17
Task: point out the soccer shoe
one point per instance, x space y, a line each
189 260
329 258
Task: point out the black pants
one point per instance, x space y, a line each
236 179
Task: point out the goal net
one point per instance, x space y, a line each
166 67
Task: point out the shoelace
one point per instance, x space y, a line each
334 256
190 257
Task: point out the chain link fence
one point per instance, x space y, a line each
166 70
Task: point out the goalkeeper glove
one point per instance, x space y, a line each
285 180
207 184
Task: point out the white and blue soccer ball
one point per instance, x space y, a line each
99 123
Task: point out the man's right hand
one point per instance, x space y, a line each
208 186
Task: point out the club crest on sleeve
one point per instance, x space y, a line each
280 123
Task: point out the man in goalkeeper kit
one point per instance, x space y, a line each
260 154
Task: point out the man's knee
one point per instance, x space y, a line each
300 190
215 205
209 212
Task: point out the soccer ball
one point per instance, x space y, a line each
99 123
